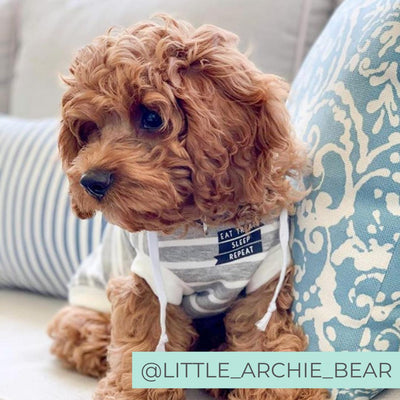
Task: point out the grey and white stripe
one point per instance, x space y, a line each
41 242
209 280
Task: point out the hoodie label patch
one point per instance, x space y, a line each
234 244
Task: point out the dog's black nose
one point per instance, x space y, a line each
97 182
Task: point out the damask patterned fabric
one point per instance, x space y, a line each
345 104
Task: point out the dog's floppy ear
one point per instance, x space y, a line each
69 139
68 146
280 154
239 135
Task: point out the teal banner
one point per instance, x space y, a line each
266 370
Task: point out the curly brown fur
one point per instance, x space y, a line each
134 328
221 154
80 339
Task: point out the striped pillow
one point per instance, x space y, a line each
41 241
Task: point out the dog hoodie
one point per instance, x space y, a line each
202 272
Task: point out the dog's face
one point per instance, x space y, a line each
165 125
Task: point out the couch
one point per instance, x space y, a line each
37 41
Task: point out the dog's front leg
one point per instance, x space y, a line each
135 327
281 335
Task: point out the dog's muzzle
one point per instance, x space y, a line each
97 182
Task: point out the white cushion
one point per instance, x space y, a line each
52 30
27 369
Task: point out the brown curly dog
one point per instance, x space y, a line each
184 129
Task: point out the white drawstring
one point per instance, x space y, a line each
284 242
152 239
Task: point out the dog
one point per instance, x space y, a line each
171 132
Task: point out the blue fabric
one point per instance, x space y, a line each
345 104
41 241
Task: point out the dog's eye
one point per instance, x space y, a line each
86 130
151 120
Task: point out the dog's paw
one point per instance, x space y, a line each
80 339
118 386
314 394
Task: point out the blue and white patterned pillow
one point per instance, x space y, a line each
41 241
345 103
